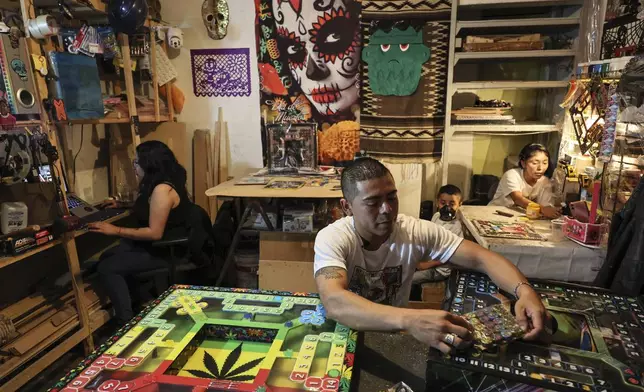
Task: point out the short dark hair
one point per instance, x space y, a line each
530 150
361 169
450 189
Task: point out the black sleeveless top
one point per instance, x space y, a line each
177 224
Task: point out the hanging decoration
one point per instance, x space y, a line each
309 59
588 115
221 72
608 137
395 61
215 15
404 118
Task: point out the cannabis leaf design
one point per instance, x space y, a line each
230 370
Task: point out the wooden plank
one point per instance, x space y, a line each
98 319
199 167
129 86
513 54
522 22
155 76
69 244
168 90
229 189
509 85
23 344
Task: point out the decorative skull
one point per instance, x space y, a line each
215 16
19 68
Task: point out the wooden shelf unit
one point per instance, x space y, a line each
486 16
81 327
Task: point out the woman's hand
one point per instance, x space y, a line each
104 228
550 212
111 203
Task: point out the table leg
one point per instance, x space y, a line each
233 245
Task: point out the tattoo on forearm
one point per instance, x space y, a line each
330 273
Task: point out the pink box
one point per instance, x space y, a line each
586 233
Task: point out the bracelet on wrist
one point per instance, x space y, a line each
518 286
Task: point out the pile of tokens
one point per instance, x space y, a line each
493 325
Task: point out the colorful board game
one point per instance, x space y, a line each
197 338
598 346
507 230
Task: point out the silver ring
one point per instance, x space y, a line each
449 339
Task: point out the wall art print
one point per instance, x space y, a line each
221 72
309 59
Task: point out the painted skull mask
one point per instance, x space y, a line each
215 16
322 42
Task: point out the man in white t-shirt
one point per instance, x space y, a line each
364 265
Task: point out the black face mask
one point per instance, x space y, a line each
447 214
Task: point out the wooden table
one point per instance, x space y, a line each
255 194
550 259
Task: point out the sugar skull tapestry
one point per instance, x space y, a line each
309 58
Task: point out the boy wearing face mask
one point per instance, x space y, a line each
449 200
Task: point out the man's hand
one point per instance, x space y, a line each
431 327
530 313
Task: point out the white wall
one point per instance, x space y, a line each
241 113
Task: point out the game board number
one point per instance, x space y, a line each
460 359
520 373
109 386
505 369
133 361
79 382
313 382
571 384
489 365
330 384
298 376
125 386
91 371
101 362
115 364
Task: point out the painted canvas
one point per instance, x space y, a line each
309 59
507 230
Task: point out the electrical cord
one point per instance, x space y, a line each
78 152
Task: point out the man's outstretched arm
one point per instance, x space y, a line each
428 326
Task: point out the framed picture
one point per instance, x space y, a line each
292 147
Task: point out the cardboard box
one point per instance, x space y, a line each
286 262
432 296
294 276
286 246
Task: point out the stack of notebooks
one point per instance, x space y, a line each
483 115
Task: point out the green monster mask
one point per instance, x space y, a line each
395 61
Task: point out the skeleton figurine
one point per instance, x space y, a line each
215 16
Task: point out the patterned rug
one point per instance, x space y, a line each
407 126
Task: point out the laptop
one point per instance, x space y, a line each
77 206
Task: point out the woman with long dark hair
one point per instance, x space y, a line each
529 182
161 210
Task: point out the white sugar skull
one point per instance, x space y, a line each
322 41
215 16
175 37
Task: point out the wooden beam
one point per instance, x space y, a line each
129 87
168 90
69 244
155 76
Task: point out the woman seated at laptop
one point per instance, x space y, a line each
529 182
161 208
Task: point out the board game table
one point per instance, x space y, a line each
598 347
561 259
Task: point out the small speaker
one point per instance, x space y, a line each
18 78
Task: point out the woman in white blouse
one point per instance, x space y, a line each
528 183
